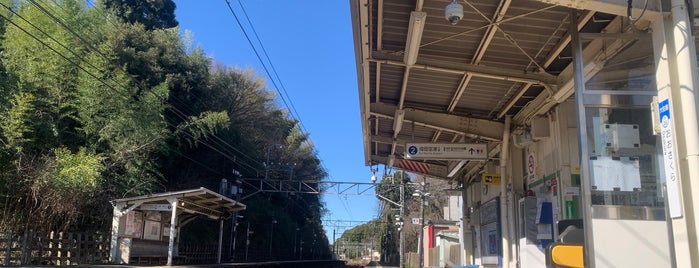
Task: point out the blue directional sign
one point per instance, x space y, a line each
447 151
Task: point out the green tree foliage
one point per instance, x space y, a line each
389 188
94 109
354 242
15 121
153 14
45 74
271 145
66 180
41 117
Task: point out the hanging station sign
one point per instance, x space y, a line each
447 151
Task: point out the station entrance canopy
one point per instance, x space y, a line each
161 212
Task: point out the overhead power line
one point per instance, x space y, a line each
279 88
179 113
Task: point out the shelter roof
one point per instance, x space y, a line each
195 201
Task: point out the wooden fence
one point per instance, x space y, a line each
53 248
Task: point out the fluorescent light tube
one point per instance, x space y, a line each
412 43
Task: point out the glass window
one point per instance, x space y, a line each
624 157
631 70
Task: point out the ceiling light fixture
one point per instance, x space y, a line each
398 122
454 12
412 43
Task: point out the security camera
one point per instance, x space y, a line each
454 12
373 178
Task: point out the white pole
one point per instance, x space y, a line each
686 125
462 240
114 243
173 225
504 227
402 230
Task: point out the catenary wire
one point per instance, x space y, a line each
271 64
290 106
93 75
180 114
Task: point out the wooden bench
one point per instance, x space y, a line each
151 252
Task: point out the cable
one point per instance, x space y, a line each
629 6
257 54
345 205
56 51
178 112
52 17
77 65
91 74
181 114
290 106
271 64
199 163
101 11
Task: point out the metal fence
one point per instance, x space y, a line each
53 248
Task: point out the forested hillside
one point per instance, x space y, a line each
106 101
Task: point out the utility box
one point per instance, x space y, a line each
540 128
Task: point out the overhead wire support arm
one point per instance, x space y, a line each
389 201
259 185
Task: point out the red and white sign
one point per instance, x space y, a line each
414 166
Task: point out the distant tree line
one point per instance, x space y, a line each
383 232
110 100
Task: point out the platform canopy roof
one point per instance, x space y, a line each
423 80
200 201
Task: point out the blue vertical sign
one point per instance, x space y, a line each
673 189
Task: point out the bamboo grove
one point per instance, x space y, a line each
109 99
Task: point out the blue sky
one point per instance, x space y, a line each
311 47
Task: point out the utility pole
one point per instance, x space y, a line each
422 227
234 190
247 242
295 239
400 228
271 237
301 249
234 234
423 195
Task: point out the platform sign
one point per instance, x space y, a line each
673 191
447 151
156 207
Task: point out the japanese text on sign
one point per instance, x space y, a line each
455 151
673 193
